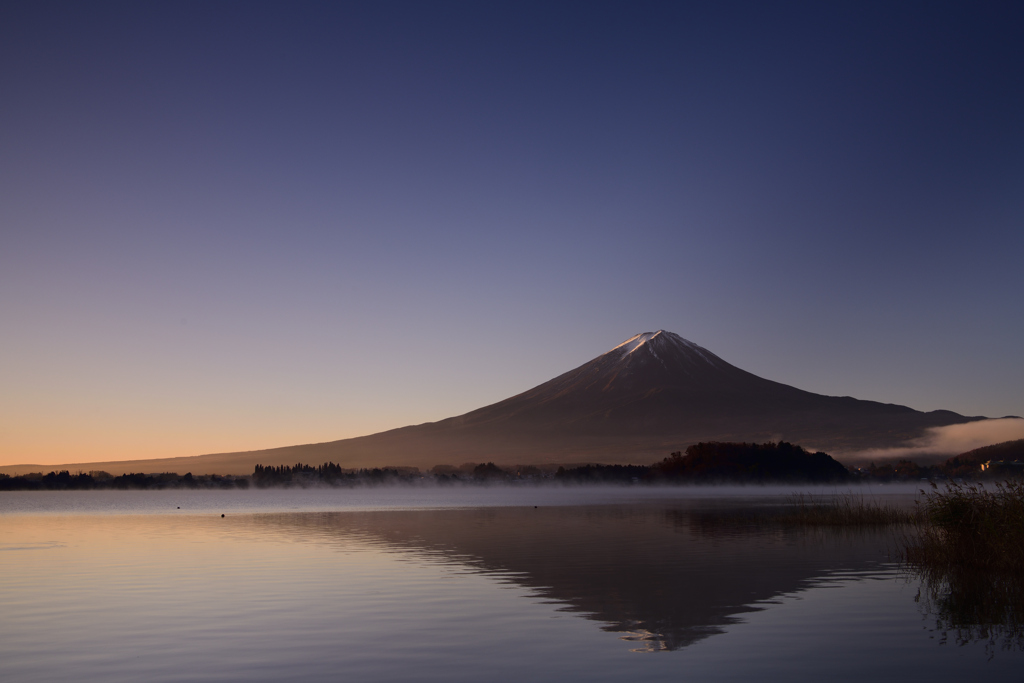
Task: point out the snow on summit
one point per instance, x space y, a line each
665 341
635 342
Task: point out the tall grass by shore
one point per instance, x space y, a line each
969 554
965 543
963 526
971 526
845 511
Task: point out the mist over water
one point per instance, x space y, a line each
419 496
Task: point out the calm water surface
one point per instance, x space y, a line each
454 585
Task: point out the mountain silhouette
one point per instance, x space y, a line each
651 395
657 383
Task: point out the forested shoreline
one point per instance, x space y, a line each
702 463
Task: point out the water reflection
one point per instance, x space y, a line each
974 607
665 577
416 595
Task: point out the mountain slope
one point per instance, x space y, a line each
650 395
661 383
653 394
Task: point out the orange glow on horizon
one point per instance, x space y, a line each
86 446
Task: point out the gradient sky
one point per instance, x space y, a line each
229 226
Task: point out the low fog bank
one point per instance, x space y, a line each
421 496
940 443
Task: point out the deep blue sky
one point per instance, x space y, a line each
238 225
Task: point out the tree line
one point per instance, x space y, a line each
705 462
82 481
329 474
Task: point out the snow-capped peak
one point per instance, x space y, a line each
633 343
661 338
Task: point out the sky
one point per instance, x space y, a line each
231 226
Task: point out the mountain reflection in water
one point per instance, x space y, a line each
469 594
665 576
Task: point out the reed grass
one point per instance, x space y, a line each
844 511
971 527
965 543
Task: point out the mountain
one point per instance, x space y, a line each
657 383
651 395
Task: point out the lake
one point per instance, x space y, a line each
466 584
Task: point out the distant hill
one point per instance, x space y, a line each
969 462
651 395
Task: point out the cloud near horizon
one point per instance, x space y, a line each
951 440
